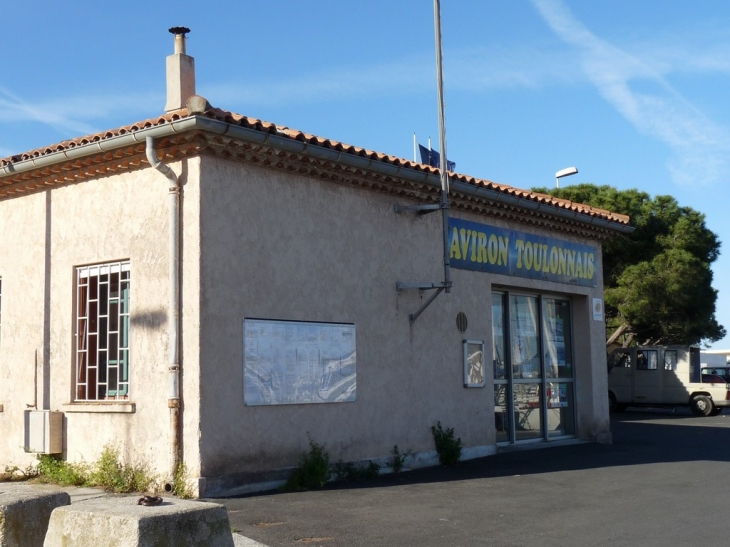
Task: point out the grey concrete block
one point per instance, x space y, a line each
243 541
25 512
120 522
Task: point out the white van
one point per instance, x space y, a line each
666 376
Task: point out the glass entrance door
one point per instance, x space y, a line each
533 368
503 421
526 368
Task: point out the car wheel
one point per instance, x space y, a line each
613 404
716 411
701 405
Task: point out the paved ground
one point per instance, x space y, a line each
664 482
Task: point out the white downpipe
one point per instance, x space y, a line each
173 310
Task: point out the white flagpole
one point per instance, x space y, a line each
442 144
440 81
415 160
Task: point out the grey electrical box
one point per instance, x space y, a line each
43 432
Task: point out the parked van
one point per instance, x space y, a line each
666 376
722 372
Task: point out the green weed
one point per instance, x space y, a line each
56 471
180 484
447 446
349 472
398 458
108 472
313 471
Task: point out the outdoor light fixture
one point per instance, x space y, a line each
564 173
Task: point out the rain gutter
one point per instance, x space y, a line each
288 144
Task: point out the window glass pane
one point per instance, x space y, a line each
103 298
114 286
91 352
647 360
501 410
500 373
670 360
93 316
93 288
561 414
125 297
653 359
113 346
528 414
114 316
92 385
623 360
557 342
102 366
525 337
102 333
112 380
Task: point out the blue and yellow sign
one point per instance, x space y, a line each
487 248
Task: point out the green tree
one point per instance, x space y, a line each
657 280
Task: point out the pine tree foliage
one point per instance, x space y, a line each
657 280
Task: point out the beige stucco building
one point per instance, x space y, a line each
254 290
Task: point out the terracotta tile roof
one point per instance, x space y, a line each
267 127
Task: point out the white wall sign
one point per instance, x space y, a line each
597 309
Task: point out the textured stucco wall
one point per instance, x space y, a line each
281 246
44 237
22 266
258 243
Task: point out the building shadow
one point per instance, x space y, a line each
640 437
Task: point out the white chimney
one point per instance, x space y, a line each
180 73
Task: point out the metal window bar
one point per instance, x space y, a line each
102 323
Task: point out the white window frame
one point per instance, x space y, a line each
101 332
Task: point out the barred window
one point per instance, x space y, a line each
102 332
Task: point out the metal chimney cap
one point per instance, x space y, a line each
179 30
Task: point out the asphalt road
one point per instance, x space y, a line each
663 482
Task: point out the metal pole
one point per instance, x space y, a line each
442 145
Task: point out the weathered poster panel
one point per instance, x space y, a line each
297 362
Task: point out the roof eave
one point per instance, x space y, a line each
285 142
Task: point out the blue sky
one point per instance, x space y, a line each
632 92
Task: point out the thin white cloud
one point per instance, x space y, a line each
78 115
658 110
471 69
402 76
513 66
15 109
667 58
